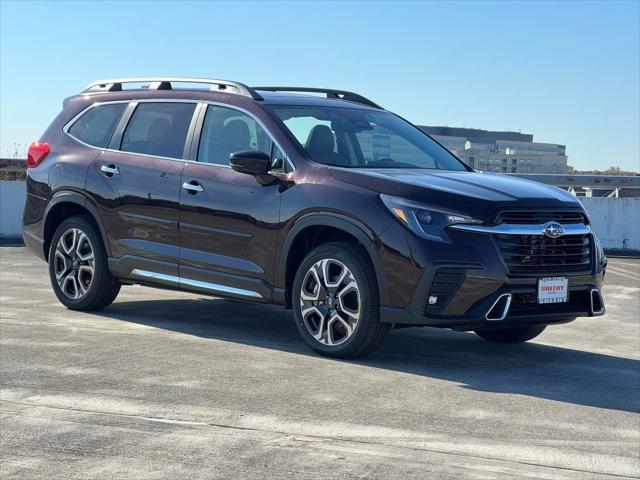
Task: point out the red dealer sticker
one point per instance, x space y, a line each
553 290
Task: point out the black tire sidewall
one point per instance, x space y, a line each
369 308
100 263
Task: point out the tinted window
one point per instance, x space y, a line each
380 143
225 131
158 129
278 160
360 138
96 126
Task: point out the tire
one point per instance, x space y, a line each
512 335
347 325
78 268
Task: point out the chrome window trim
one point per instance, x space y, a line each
68 125
180 281
522 229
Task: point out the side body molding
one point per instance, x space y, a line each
342 222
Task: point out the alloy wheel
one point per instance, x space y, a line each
330 302
74 263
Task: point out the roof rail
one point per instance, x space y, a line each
329 92
166 83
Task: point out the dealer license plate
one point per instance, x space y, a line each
553 290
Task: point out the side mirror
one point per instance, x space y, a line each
251 162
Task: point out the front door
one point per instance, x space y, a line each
228 221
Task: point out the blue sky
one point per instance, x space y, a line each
567 72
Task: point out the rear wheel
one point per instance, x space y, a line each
78 267
336 302
512 335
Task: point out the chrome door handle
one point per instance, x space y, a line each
193 188
110 170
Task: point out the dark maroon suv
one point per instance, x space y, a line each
318 200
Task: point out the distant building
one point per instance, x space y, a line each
12 169
502 152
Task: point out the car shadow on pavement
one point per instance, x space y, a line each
531 369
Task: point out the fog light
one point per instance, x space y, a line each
433 300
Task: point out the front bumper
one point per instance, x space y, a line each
475 288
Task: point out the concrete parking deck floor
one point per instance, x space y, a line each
171 385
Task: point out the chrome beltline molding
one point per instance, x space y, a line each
523 229
178 281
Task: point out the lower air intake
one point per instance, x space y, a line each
444 286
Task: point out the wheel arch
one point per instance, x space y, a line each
66 204
317 228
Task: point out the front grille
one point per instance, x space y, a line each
523 304
542 254
539 217
444 286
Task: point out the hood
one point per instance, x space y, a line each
478 194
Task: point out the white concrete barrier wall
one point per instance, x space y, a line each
616 221
12 197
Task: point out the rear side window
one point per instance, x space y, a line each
158 129
96 126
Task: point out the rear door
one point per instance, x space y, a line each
137 187
228 220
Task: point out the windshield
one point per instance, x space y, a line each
357 138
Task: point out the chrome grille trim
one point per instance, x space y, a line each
523 229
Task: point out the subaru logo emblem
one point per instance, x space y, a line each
553 230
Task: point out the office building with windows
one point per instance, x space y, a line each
501 152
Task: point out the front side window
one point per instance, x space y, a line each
158 129
226 131
278 160
359 138
97 124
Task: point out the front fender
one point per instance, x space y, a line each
342 222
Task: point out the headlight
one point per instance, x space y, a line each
422 220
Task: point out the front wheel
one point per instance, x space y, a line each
336 303
512 335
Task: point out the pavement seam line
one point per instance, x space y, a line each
319 437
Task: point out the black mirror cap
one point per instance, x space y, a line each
251 162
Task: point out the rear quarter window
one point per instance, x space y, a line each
97 124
